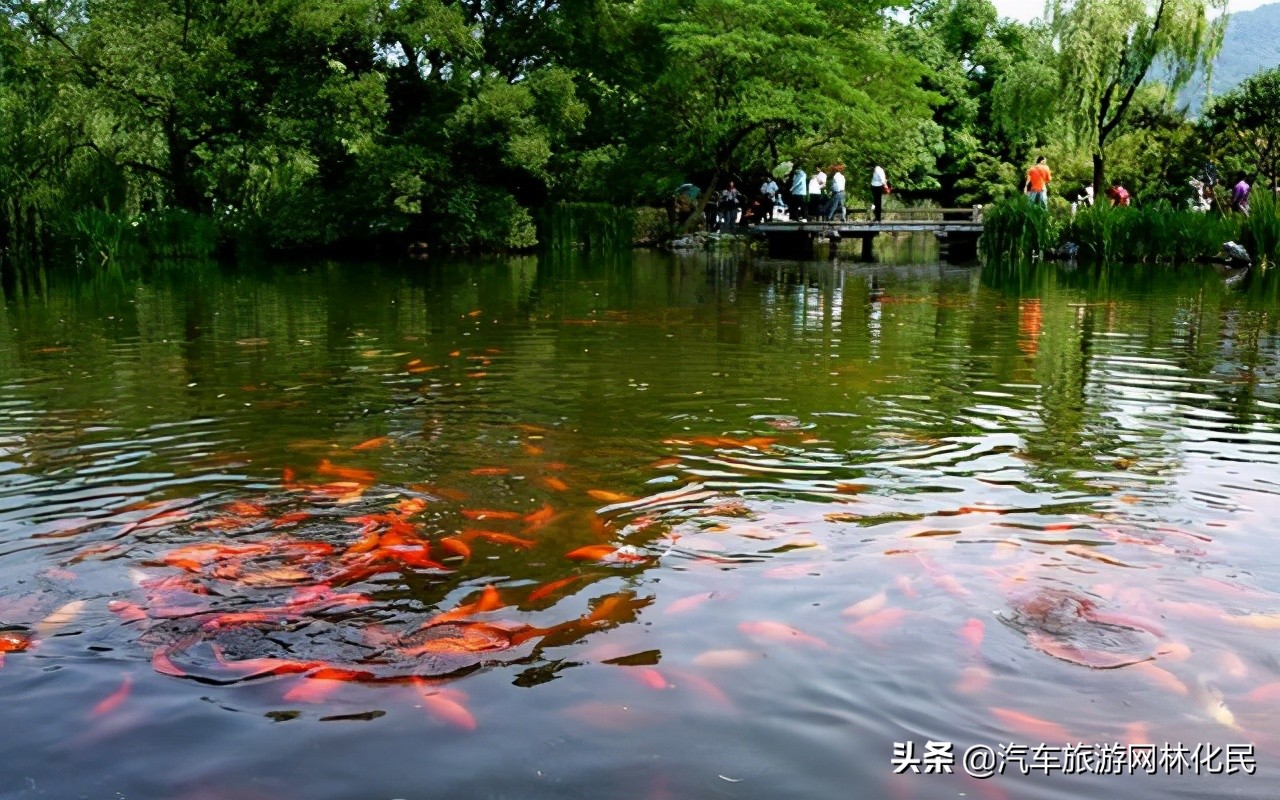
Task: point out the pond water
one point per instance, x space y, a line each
639 528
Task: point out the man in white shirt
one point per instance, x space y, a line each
816 184
768 197
879 188
837 193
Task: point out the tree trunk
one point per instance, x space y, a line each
692 222
1099 175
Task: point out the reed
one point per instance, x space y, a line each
1260 231
592 226
1013 229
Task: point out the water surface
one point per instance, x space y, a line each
305 532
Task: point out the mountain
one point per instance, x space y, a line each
1251 44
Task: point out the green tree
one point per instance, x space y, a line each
1107 48
1243 126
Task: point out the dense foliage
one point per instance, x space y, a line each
178 126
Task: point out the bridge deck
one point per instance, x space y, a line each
854 228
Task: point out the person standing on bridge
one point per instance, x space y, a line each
1037 185
879 188
768 197
817 183
837 193
799 194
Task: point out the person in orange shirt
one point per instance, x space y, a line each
1037 185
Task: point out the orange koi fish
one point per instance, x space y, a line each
618 607
609 497
539 518
703 687
372 444
14 642
411 505
650 677
327 467
604 552
1159 676
484 513
245 509
496 537
114 700
446 705
161 663
555 484
548 589
769 631
456 546
490 472
1034 727
309 691
60 618
232 618
263 667
490 600
292 518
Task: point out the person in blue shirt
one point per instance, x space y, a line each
799 195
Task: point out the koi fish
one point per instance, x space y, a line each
13 642
456 546
60 618
1160 677
725 659
689 603
292 518
1173 651
497 538
484 513
262 667
769 631
619 607
703 687
971 632
1136 733
555 484
548 589
1266 693
490 472
539 518
869 606
446 705
607 553
490 600
411 505
1034 727
973 680
372 444
609 497
161 662
648 676
242 508
327 467
114 700
878 623
1094 659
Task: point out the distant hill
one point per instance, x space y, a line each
1251 44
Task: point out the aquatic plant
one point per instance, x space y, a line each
593 226
1014 229
1260 231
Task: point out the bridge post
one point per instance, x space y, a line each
867 254
791 244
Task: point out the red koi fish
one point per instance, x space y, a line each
364 476
262 667
769 631
1094 659
490 472
292 518
114 700
242 508
446 705
161 662
1160 677
689 603
485 513
372 444
648 676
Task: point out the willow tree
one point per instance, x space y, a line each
1106 49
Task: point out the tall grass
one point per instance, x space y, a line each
1014 229
593 226
1260 232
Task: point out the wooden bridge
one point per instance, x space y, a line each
957 228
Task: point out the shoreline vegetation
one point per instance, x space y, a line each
1015 229
228 128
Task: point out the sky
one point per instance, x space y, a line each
1028 9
